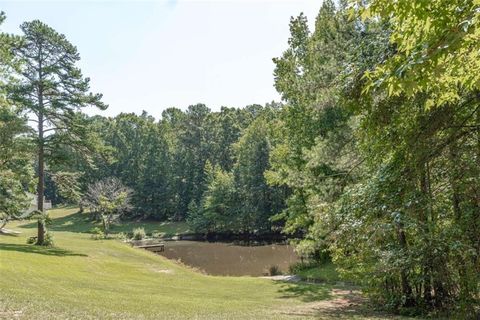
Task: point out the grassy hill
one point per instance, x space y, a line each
82 278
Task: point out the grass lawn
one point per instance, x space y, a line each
325 273
82 278
70 220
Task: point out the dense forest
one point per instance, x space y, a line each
372 159
201 166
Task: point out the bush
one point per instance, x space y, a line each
97 233
274 270
31 240
122 236
48 241
157 235
139 234
300 266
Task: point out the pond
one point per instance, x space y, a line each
217 258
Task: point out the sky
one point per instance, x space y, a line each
151 55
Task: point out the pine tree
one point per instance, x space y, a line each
51 90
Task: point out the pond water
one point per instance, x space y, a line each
217 258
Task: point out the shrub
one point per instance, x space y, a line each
300 266
274 270
97 233
157 235
48 241
122 236
139 234
31 240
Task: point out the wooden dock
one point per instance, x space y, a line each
160 247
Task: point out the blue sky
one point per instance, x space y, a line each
151 55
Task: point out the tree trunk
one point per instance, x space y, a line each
41 155
456 200
41 180
423 219
477 257
105 226
406 288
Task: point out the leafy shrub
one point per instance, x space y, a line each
157 235
300 266
122 236
48 241
97 233
139 234
274 270
31 240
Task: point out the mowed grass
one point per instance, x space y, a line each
70 220
82 278
325 273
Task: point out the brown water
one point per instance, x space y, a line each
218 258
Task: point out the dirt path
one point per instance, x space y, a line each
341 304
323 302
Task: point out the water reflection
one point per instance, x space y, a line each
218 258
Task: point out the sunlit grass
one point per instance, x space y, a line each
323 273
70 220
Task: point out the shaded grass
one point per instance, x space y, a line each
306 292
49 251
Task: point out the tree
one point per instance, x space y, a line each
257 200
417 207
194 149
15 165
50 90
315 156
216 212
226 128
437 48
140 157
108 198
154 188
15 155
239 201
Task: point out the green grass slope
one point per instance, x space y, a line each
83 278
70 220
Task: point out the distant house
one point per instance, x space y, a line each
47 204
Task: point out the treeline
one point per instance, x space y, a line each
374 157
196 165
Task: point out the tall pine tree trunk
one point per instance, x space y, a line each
41 154
41 180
